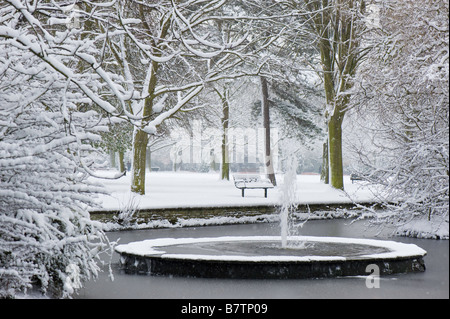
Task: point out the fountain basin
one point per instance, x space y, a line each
262 257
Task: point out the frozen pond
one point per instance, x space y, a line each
433 283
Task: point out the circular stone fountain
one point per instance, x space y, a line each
264 257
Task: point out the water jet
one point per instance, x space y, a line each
270 257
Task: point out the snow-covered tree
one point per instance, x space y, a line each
176 49
140 61
402 99
46 235
337 25
47 239
321 36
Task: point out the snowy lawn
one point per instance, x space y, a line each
196 190
192 190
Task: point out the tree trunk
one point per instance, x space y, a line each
141 138
121 161
112 158
139 158
149 159
335 151
225 170
268 150
337 32
325 173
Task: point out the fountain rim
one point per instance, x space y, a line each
154 248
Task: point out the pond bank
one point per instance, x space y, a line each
208 216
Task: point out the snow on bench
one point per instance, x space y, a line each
251 181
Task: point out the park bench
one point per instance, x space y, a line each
251 181
354 177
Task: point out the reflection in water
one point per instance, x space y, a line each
433 283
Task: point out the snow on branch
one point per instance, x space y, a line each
152 125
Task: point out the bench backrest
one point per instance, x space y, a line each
247 178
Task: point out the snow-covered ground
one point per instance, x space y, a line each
197 190
192 190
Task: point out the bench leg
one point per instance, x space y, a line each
243 192
265 192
